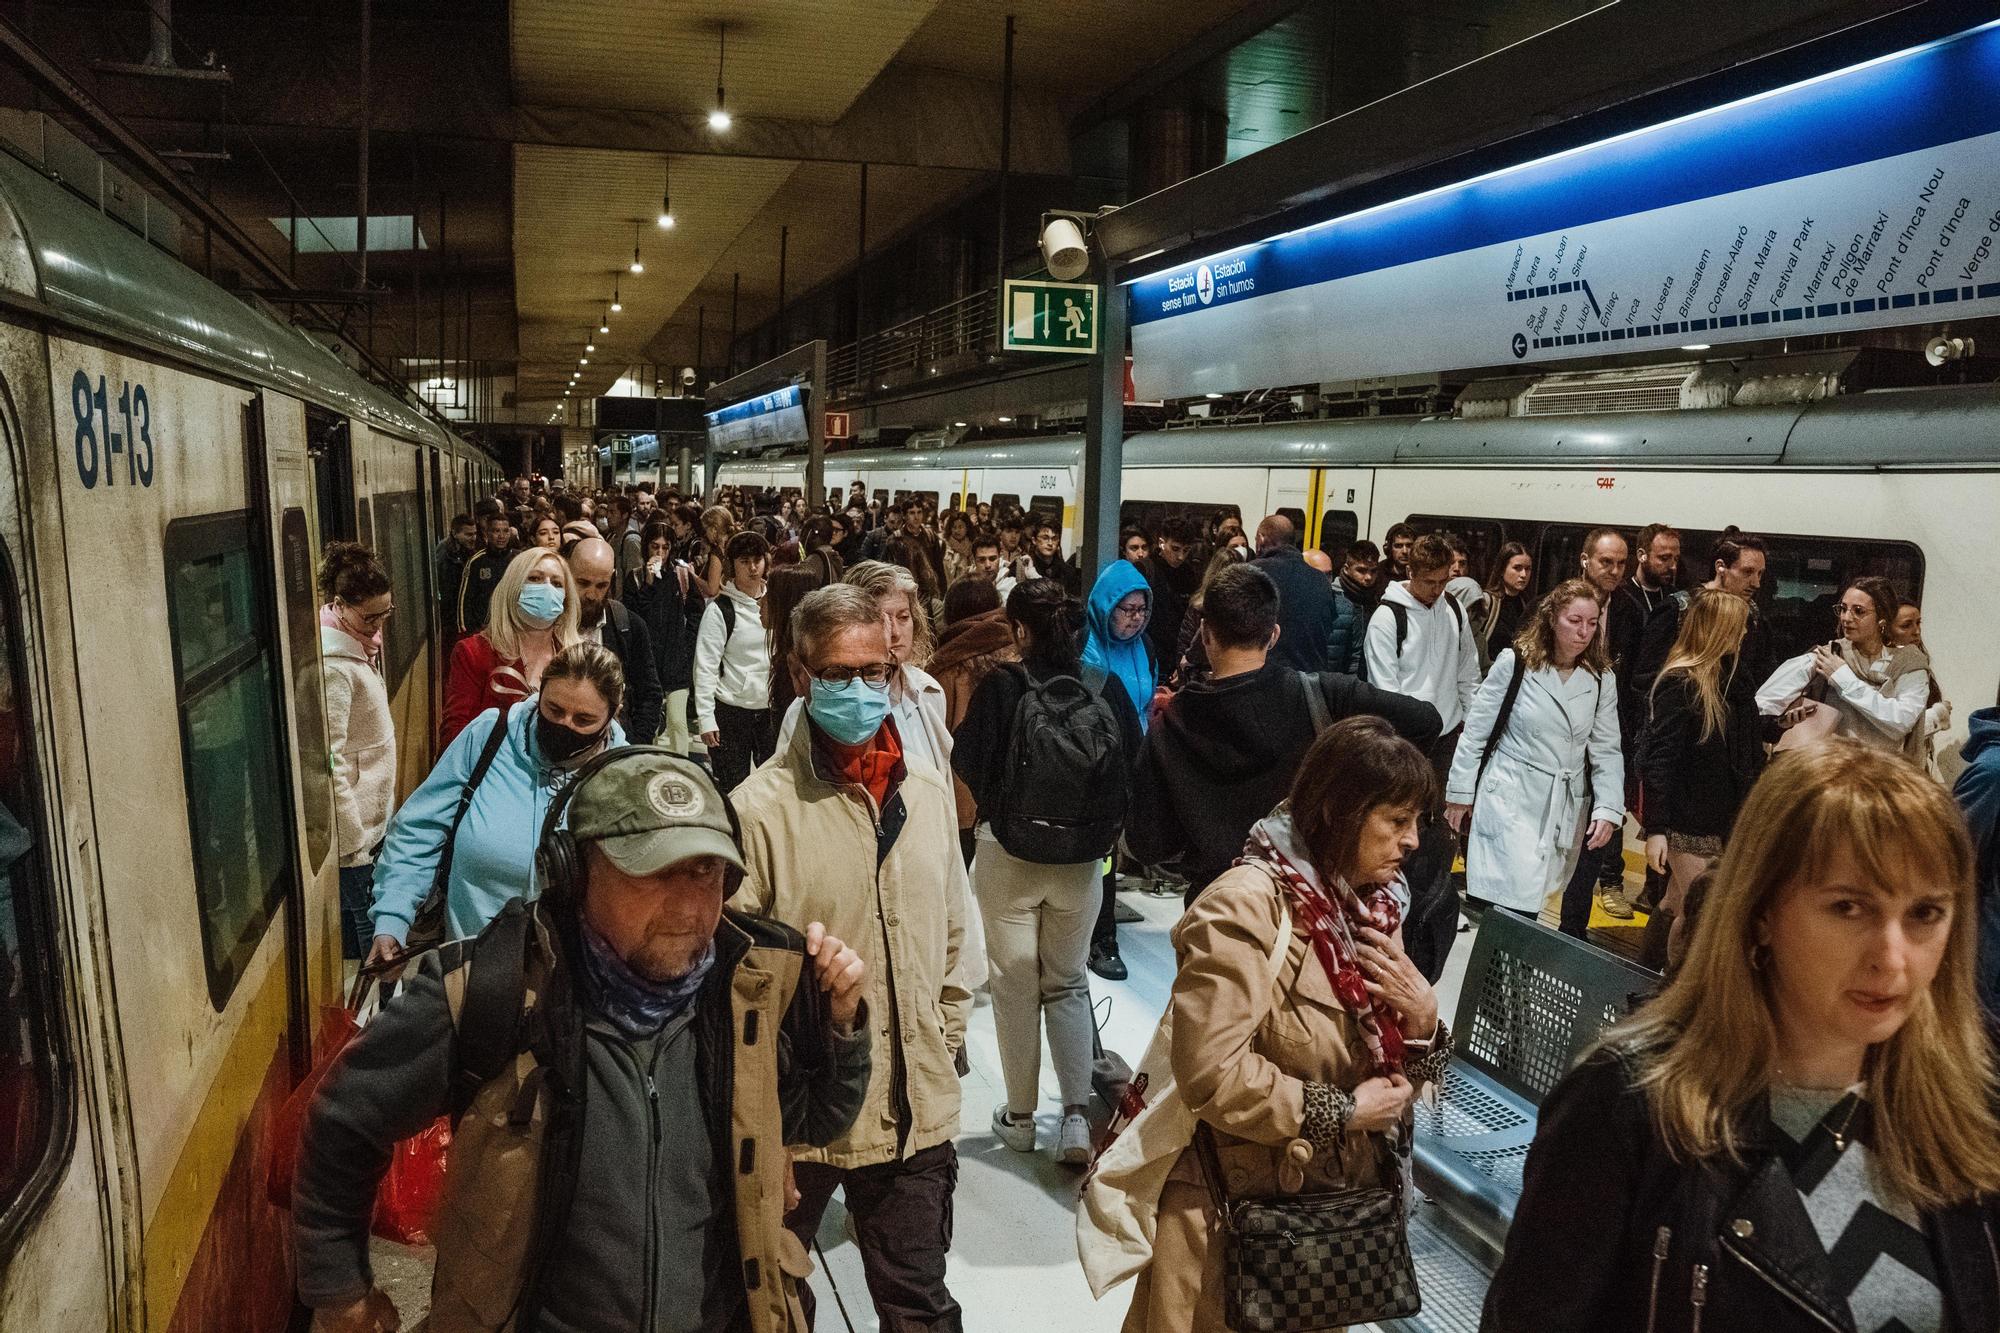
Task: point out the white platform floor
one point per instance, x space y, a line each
1013 1257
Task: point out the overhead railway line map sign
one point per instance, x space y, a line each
1865 197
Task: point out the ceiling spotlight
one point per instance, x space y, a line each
583 361
617 306
718 119
604 324
959 424
590 347
1211 395
637 267
1694 347
667 198
1003 420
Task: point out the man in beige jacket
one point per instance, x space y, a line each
836 828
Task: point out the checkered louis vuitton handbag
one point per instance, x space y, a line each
1303 1262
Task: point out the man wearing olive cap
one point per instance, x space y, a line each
628 1059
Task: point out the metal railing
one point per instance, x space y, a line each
916 349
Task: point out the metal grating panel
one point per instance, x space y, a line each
1524 1022
1464 1110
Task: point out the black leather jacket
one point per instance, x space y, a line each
1612 1234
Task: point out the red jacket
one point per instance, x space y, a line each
479 679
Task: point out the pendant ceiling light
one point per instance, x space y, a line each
616 305
637 267
718 119
667 198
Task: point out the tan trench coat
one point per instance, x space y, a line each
1242 1056
809 850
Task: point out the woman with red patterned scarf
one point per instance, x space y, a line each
1300 1052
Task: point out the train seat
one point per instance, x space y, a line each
1533 1000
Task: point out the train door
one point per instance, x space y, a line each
1339 511
68 1227
1288 491
330 451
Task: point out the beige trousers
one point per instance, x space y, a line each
1038 922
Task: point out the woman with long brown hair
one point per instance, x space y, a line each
1540 751
1799 1133
1861 684
1700 753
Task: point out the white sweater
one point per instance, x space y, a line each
361 743
1439 662
737 673
1866 714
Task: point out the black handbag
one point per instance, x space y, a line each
1296 1263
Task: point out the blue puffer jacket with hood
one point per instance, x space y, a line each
1130 659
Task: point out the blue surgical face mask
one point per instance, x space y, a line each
541 604
849 713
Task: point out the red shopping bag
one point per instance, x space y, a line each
337 1026
406 1201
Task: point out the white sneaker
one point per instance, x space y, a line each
1018 1134
1073 1141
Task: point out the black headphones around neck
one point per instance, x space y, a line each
559 864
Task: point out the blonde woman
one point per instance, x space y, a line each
532 618
1908 632
1799 1134
1700 753
718 525
1550 761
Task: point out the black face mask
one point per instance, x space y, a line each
559 744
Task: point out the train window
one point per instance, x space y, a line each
437 495
1005 504
1338 530
34 1059
1048 507
882 499
1147 515
403 553
1483 538
1803 576
224 681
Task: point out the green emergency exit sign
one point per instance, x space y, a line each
1037 316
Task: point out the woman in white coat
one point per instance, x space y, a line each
361 735
1554 757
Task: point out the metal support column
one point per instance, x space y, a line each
686 478
735 292
784 238
815 495
1104 430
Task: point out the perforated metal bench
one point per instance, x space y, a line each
1533 1000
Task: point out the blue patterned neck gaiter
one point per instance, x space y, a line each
638 1008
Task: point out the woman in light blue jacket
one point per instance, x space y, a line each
548 736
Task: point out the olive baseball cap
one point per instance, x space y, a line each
651 809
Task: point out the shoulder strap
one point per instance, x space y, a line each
727 605
441 883
1457 611
1315 687
486 1021
1501 718
1093 677
1401 615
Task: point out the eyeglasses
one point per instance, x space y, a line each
874 673
377 618
1129 612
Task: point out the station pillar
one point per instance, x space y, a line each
1104 432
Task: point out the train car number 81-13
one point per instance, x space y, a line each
89 405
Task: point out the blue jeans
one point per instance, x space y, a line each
357 884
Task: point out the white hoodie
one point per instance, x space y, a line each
1439 662
737 673
361 741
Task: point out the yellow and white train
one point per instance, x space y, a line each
173 460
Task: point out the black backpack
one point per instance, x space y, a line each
1401 615
1063 794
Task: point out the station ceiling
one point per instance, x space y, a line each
532 141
